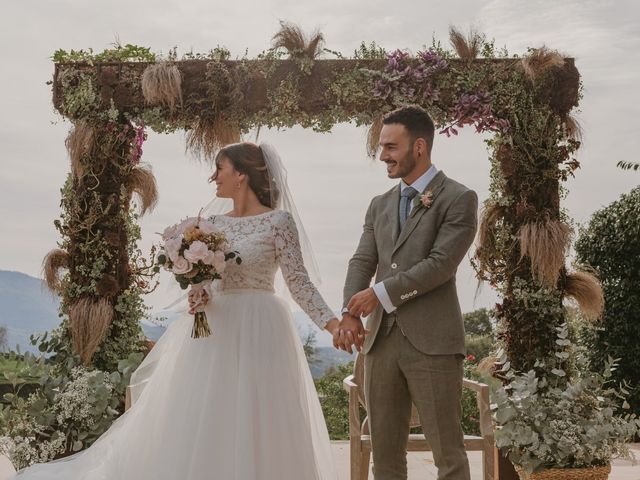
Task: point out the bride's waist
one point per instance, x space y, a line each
244 291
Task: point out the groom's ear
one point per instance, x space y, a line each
420 147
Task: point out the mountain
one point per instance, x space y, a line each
28 307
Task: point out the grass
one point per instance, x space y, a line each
14 366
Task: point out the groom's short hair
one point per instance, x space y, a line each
416 120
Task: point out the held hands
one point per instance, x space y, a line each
350 332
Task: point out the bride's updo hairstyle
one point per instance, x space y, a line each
247 158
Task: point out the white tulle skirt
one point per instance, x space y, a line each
238 405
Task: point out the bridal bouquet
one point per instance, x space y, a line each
195 251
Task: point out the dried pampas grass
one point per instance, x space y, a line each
51 265
291 38
207 136
162 85
373 137
539 61
585 288
467 47
574 130
491 214
89 321
142 182
79 144
545 243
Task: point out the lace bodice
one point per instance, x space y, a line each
265 242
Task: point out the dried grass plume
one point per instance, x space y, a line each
162 85
539 61
467 47
373 137
291 38
89 321
585 288
545 243
207 136
142 182
51 265
79 144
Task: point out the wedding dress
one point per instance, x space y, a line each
237 405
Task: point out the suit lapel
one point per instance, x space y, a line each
391 213
436 186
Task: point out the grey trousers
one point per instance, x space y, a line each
397 375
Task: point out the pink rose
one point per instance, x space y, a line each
197 251
172 247
219 262
181 266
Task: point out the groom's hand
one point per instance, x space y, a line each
363 303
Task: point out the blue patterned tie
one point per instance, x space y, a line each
406 196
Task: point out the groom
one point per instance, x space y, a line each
414 237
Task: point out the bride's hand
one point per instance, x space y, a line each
332 325
197 298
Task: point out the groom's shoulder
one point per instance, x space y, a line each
455 188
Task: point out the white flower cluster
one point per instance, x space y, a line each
74 402
546 420
78 406
26 450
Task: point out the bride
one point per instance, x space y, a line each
241 403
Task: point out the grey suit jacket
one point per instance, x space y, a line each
418 265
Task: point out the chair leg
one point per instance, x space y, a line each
354 458
365 457
488 460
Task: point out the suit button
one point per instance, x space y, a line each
402 297
394 265
415 292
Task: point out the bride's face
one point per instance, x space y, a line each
226 178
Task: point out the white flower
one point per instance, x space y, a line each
197 251
207 227
181 265
172 247
187 223
170 232
219 262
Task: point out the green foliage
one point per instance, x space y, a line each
548 420
478 322
335 401
69 410
370 52
119 53
479 333
610 244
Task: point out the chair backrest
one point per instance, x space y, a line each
358 378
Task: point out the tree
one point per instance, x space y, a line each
611 245
3 338
479 332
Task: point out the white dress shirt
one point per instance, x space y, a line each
420 185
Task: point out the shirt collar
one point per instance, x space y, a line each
421 183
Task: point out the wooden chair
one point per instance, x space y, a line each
360 439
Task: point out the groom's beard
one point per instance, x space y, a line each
403 167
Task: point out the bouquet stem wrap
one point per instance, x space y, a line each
200 323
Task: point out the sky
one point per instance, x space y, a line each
330 175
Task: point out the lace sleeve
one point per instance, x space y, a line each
289 257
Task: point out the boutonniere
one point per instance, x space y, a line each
426 200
